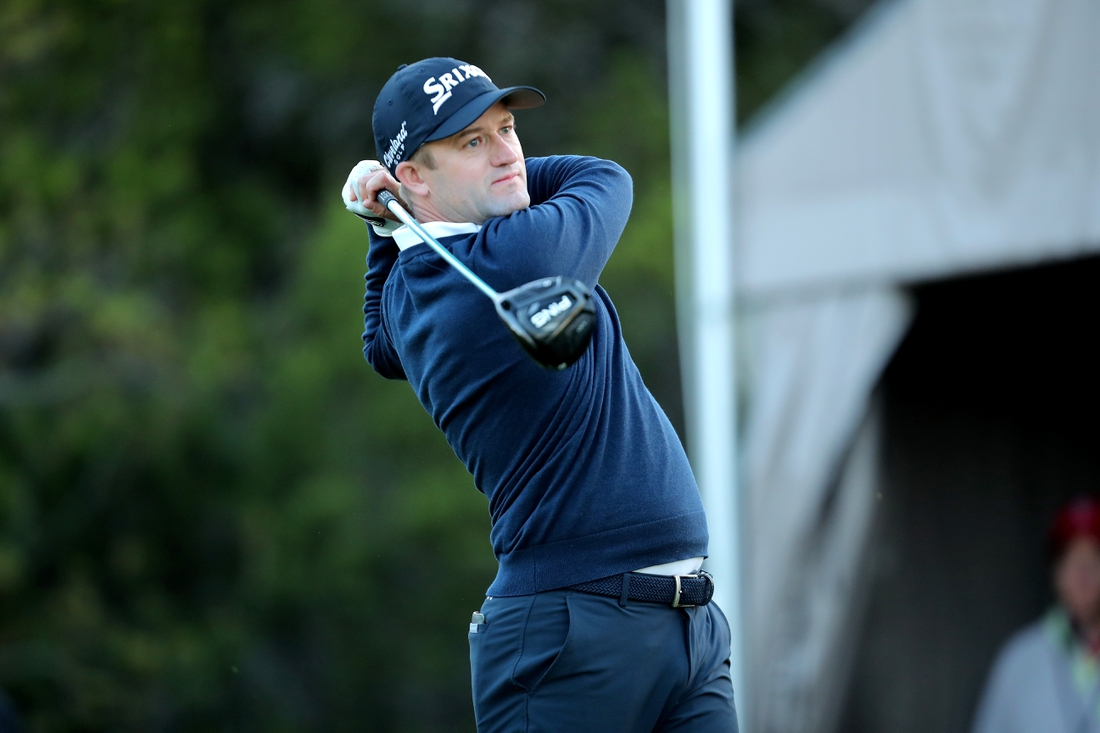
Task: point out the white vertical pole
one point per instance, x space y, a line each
701 93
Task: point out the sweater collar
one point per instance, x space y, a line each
405 237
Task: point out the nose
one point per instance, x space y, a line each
503 153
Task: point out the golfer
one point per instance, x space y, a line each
599 618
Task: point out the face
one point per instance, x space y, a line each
479 173
1077 580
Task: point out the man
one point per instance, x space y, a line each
597 522
1047 677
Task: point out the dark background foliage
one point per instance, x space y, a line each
213 515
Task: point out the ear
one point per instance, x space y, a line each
409 174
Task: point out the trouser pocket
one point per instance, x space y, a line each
545 637
494 651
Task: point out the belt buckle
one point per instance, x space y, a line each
679 591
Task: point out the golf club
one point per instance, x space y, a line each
552 318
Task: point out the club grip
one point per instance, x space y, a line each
385 197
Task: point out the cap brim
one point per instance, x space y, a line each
513 98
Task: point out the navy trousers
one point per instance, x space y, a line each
569 661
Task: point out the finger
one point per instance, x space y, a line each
368 186
371 185
378 207
362 169
362 187
349 193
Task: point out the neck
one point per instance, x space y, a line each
424 210
1087 629
1090 631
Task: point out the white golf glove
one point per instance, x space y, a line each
383 227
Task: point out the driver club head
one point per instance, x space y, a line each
551 318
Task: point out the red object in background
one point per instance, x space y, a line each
1079 518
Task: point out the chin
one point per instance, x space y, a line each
504 208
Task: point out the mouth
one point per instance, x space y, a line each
506 179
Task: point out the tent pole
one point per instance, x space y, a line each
701 96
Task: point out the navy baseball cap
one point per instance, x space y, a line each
433 99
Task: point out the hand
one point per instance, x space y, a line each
365 181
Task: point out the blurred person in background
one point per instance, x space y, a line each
600 617
1047 676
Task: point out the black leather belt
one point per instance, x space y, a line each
678 591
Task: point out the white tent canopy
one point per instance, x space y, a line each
944 137
947 135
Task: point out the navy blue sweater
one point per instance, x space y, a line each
584 474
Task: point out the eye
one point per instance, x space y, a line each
507 129
473 142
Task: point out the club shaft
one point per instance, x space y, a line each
390 202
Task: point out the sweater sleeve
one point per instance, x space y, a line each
377 347
579 208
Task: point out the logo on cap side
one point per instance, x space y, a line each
442 88
397 146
